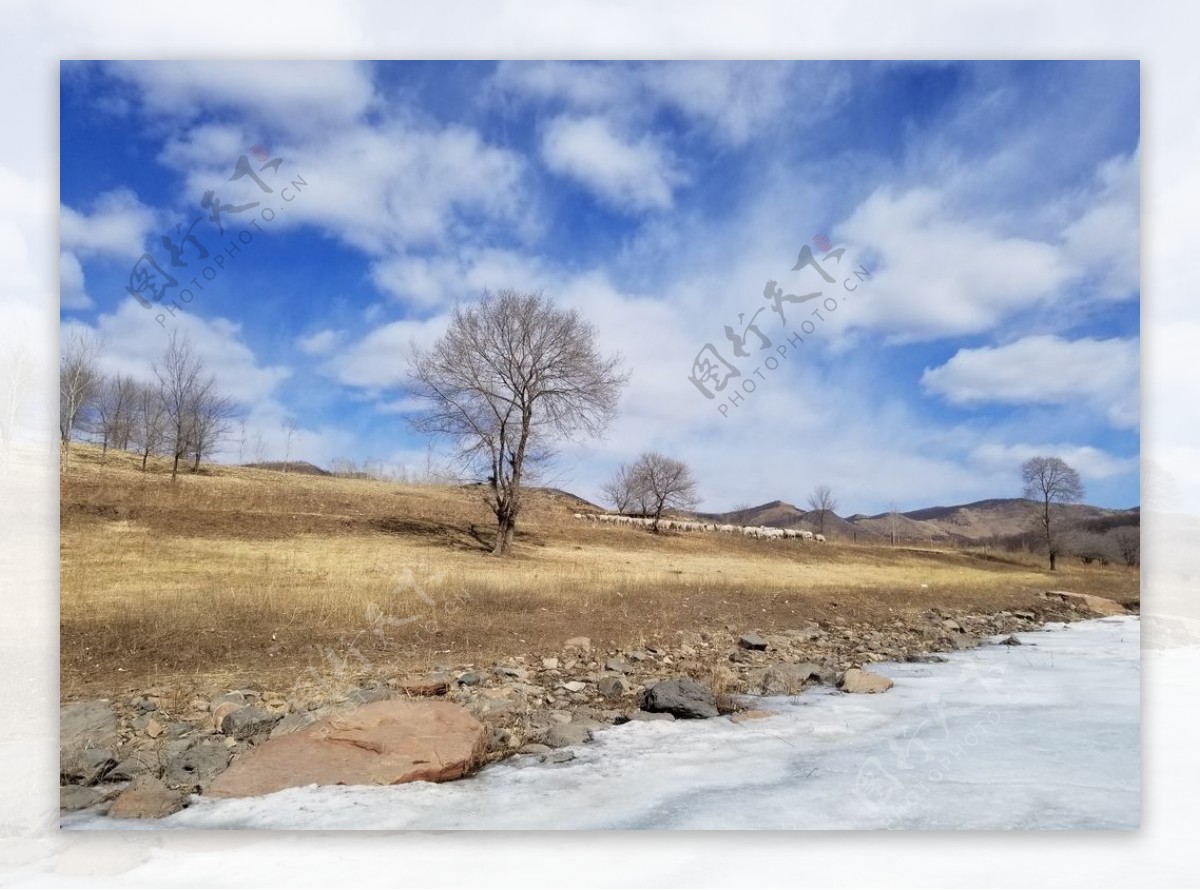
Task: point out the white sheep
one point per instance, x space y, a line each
820 539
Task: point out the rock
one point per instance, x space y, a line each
248 722
550 664
754 714
860 681
951 624
1010 641
88 766
469 678
753 642
645 717
147 798
788 679
611 686
145 705
385 743
1096 604
534 748
574 686
618 665
76 797
223 710
925 658
583 644
682 697
199 761
963 641
230 698
511 673
1026 616
558 757
429 685
638 656
154 729
84 726
129 769
563 736
295 722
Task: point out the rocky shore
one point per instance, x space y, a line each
144 754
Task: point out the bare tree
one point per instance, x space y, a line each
823 503
619 490
149 426
289 431
212 415
663 483
1050 482
1127 540
180 377
512 375
78 383
114 412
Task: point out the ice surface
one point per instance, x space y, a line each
1039 736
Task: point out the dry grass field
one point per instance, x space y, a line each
237 575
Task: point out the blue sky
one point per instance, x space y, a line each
995 206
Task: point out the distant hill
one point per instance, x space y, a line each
996 519
302 467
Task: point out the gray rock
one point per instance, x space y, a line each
84 726
618 665
511 673
645 717
788 679
860 681
574 686
230 698
294 722
147 798
682 697
469 678
248 722
558 757
146 705
76 797
534 748
369 694
565 735
87 767
752 641
583 644
200 761
129 769
612 686
1010 641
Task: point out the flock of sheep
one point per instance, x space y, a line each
750 531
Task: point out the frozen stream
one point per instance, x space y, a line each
1043 735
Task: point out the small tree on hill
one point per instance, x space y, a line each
822 502
661 483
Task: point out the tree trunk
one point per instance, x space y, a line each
145 457
196 465
175 467
1053 558
505 530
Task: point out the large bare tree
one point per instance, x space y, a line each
149 428
661 483
114 412
1050 482
513 375
78 384
823 503
181 379
212 419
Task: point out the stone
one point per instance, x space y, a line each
511 673
146 705
550 664
84 726
860 681
534 748
77 797
147 798
951 624
1097 605
788 679
1010 641
1025 616
469 678
574 686
295 722
584 644
154 729
558 757
129 769
681 697
199 761
223 710
88 766
384 743
563 736
369 694
232 698
617 665
646 717
611 686
245 723
753 642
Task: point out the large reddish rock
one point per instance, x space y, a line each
1097 604
384 743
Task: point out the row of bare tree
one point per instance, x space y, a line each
181 414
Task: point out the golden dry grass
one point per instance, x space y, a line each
238 574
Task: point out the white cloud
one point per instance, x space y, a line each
72 294
322 342
1091 462
627 174
1045 370
117 225
379 360
1104 239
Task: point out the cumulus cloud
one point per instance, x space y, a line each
1045 370
1091 462
116 225
322 342
631 174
